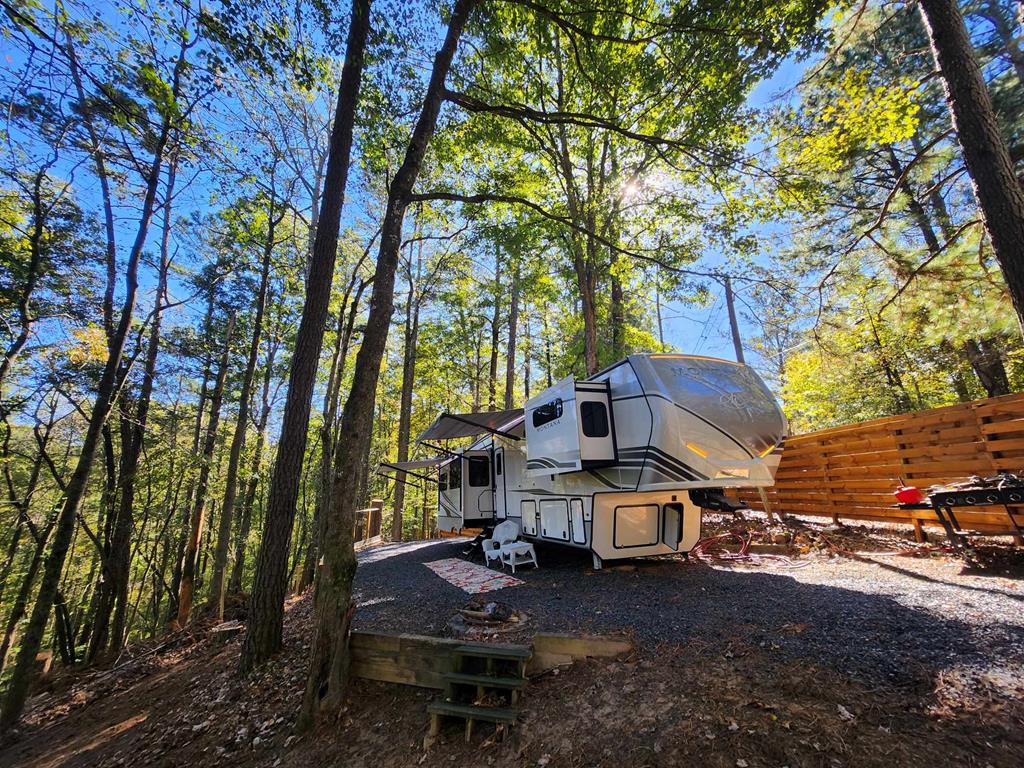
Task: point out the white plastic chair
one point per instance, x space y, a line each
504 533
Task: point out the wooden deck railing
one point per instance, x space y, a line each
850 472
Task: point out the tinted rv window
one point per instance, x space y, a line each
479 472
594 419
498 464
547 412
455 476
442 479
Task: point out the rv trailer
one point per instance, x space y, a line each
621 463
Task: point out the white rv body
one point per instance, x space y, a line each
615 463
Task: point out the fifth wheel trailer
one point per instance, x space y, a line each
621 463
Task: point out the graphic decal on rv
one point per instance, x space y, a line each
650 454
543 462
606 482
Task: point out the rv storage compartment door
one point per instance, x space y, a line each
528 509
579 528
554 519
636 525
596 430
552 432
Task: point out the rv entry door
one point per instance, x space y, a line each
477 486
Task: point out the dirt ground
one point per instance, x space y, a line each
817 658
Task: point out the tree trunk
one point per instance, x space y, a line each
329 437
197 434
547 349
227 514
328 670
117 568
245 518
987 363
510 351
189 566
986 155
527 356
492 368
618 317
412 329
266 610
734 326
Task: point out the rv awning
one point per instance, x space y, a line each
448 426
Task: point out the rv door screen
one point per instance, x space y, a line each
479 472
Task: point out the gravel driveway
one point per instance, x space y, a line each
892 620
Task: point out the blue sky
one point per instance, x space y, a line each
698 330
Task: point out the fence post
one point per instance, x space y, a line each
375 515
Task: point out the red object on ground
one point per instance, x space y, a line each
908 494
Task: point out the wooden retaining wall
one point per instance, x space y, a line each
422 661
850 472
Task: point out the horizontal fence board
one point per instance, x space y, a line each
851 471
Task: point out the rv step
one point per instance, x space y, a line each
469 712
487 651
487 681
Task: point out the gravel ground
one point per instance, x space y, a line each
879 620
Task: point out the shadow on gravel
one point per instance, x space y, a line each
868 636
889 566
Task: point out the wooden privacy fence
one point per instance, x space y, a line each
851 471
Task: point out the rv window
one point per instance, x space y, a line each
442 479
594 418
479 472
498 463
547 413
455 476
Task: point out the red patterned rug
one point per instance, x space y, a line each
471 577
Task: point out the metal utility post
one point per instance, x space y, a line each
733 325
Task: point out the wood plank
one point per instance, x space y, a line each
1002 427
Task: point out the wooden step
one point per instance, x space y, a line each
487 681
488 651
469 712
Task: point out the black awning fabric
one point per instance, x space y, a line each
449 426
